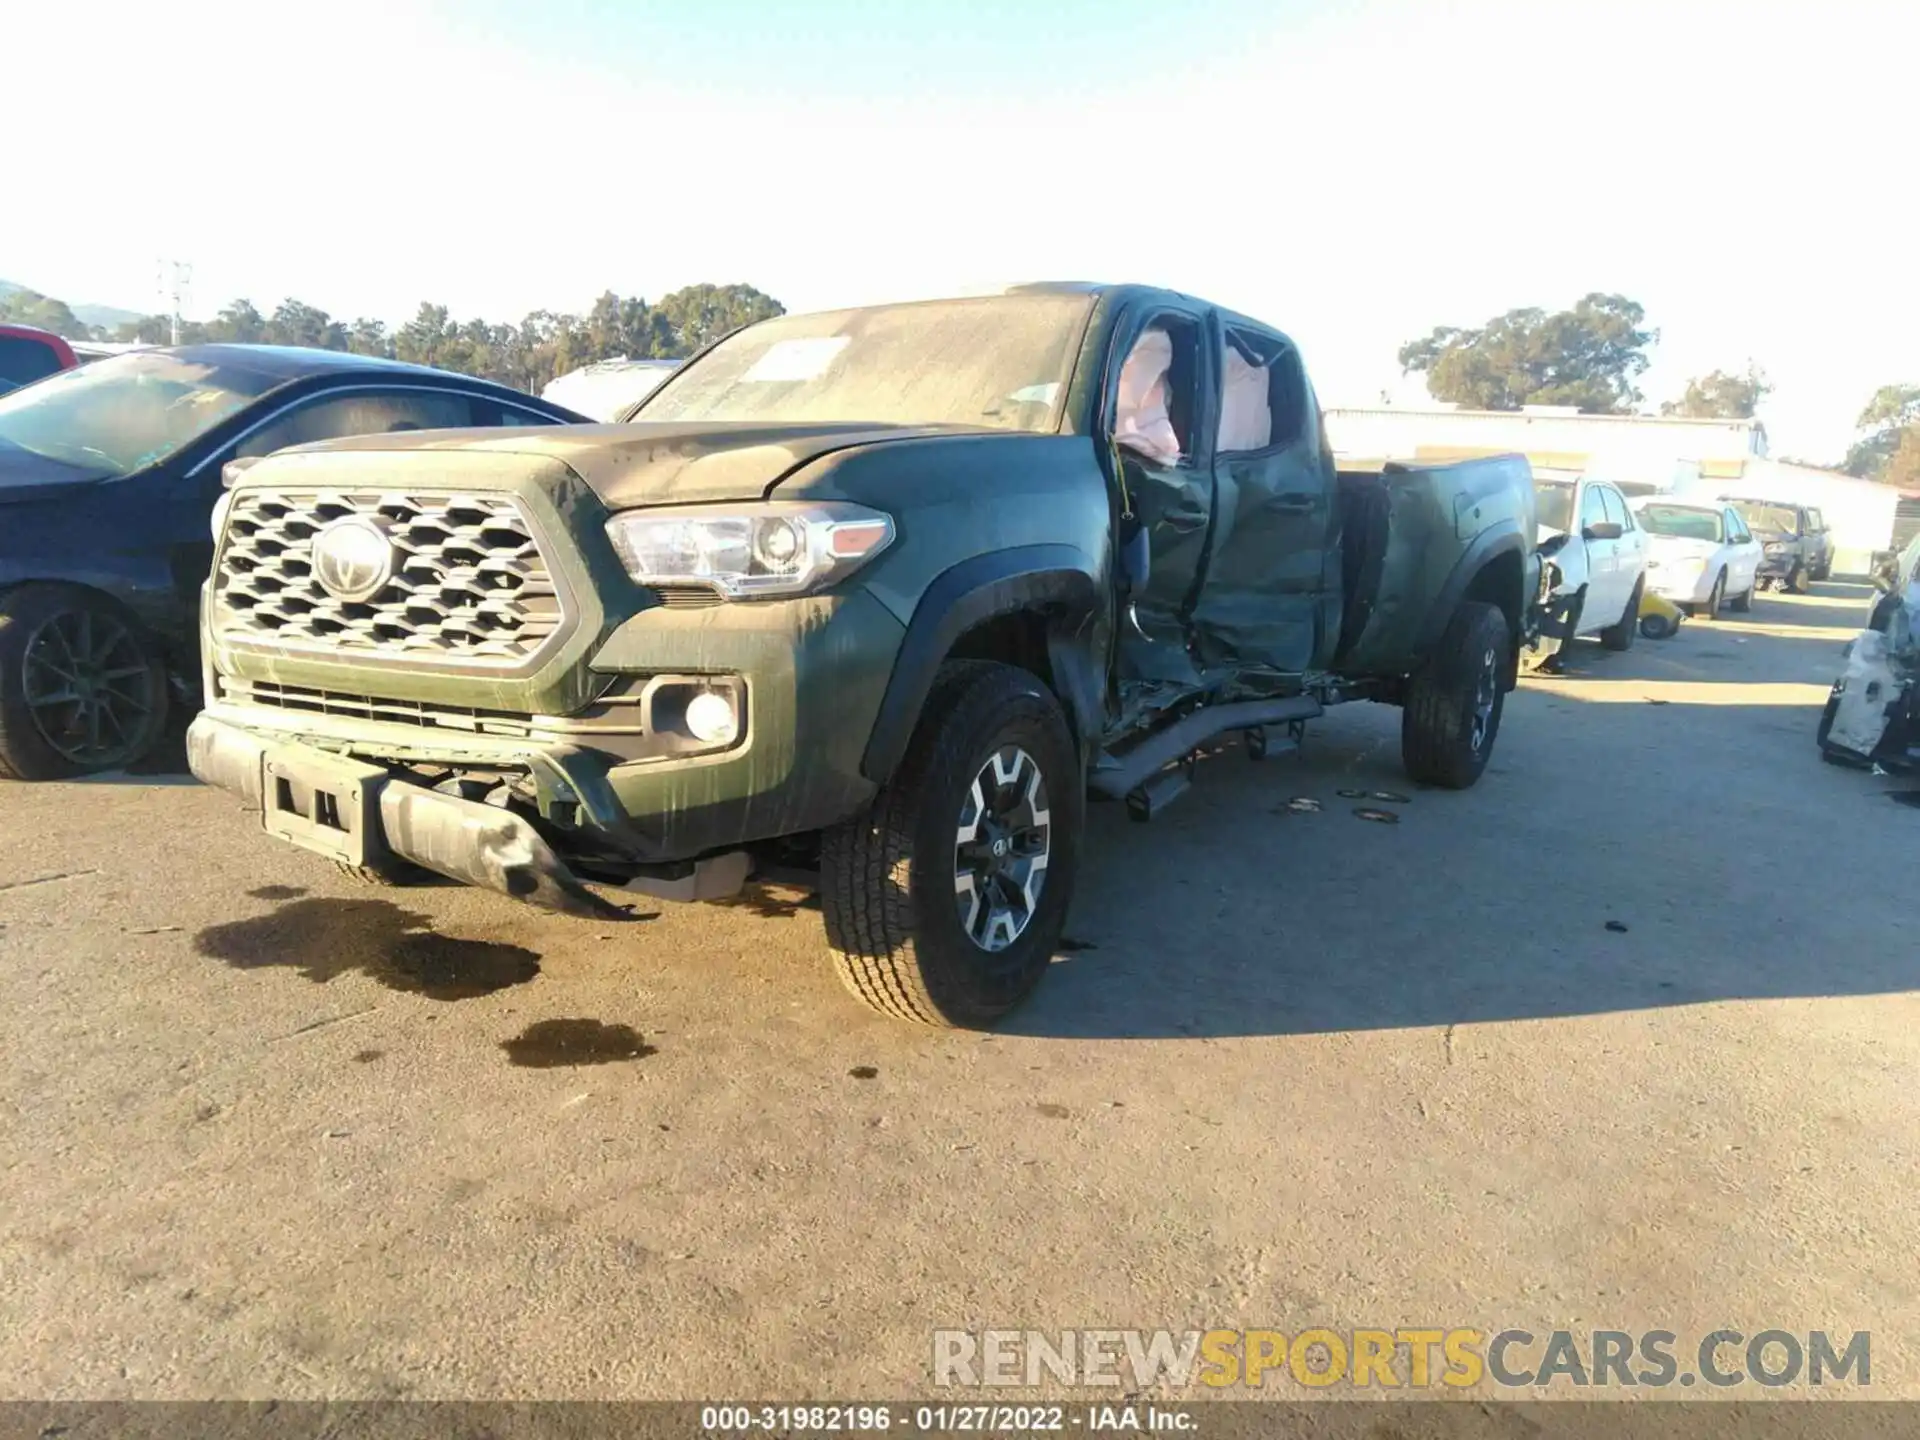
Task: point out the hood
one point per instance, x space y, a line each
26 476
1770 537
1545 533
656 463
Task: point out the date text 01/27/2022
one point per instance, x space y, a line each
946 1419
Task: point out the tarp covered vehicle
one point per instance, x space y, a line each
875 597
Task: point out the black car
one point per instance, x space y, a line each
1796 545
109 475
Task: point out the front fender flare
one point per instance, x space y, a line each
1056 580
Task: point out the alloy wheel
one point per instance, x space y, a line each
1001 849
89 687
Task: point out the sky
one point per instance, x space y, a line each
1352 171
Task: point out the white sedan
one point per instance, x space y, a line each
1596 555
1701 554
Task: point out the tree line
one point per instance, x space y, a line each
1591 356
526 356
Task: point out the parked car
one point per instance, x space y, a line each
609 390
28 354
1796 545
1595 556
1700 554
108 478
870 599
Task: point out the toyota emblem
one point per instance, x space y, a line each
352 559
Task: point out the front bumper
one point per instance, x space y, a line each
813 670
361 816
1773 567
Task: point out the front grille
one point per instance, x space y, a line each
373 707
687 597
468 585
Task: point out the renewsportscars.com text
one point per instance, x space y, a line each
1400 1358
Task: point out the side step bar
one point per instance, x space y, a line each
1130 771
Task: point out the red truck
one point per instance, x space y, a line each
27 354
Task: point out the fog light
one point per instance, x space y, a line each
711 719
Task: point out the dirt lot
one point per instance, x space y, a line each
269 1134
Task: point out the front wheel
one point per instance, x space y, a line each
1743 602
1454 703
1715 598
82 689
945 900
1796 582
1619 636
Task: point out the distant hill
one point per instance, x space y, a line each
107 317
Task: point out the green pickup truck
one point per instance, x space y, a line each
874 599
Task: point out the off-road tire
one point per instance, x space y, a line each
1620 636
887 875
25 753
1440 743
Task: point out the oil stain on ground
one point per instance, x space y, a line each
324 939
557 1044
277 892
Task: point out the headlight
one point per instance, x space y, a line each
1776 547
1688 563
750 551
220 509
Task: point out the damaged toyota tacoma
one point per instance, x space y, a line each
874 600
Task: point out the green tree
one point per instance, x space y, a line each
369 337
238 324
1588 357
423 339
1721 396
1888 428
295 323
700 314
30 307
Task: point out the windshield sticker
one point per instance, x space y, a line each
796 360
1036 394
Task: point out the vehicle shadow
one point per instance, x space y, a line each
1612 859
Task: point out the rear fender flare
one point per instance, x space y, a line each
1054 580
1505 538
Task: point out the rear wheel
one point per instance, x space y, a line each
1619 636
1454 703
944 902
82 688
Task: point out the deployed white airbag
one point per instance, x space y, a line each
1246 414
1141 422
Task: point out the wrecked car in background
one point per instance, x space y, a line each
1869 716
1594 557
873 598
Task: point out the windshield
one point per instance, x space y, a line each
1555 504
119 415
1683 521
1001 362
1761 516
